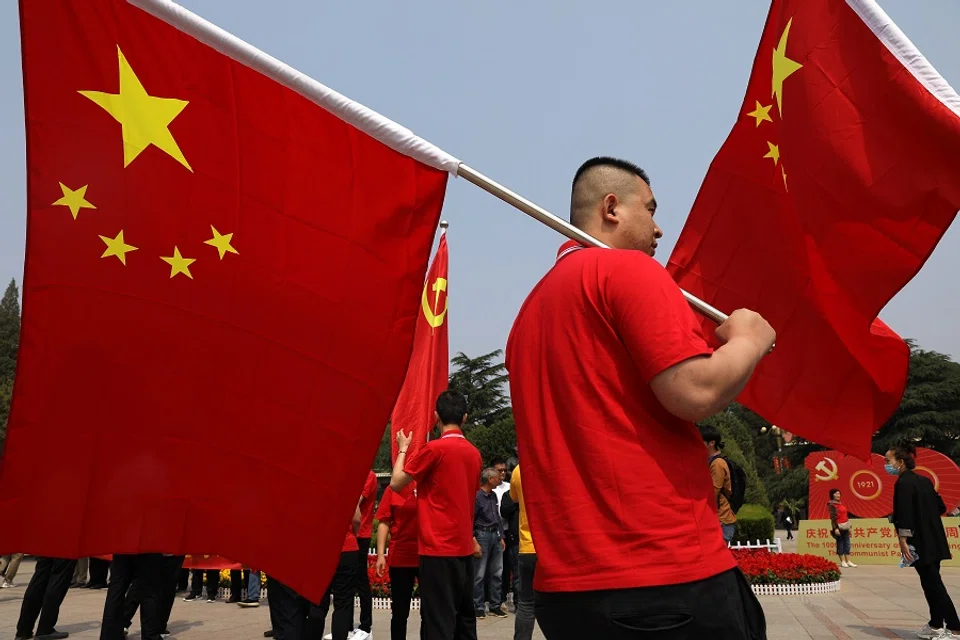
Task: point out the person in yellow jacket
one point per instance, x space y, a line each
525 621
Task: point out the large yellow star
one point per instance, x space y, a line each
179 264
783 67
117 247
761 113
74 200
221 242
773 153
144 118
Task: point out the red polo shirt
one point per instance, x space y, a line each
350 542
616 488
448 472
400 511
367 501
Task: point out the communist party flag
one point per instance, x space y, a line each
222 279
428 372
834 186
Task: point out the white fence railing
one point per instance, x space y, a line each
775 546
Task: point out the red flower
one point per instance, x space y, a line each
762 567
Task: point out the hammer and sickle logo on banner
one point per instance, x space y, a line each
433 314
828 467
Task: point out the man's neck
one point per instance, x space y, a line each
447 428
486 489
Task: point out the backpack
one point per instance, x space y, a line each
738 484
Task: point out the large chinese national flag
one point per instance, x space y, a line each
840 176
222 282
427 374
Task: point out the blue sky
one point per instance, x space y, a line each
524 92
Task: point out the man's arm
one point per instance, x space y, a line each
699 387
665 341
716 474
400 478
357 518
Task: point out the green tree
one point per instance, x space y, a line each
496 440
9 344
483 381
382 461
929 412
9 330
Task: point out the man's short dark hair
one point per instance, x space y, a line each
495 461
597 177
451 407
709 433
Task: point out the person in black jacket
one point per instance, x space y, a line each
917 508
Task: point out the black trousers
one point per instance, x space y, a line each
288 611
213 583
98 572
183 579
524 597
401 593
942 611
511 572
238 582
44 595
341 590
447 611
363 586
172 565
153 577
722 607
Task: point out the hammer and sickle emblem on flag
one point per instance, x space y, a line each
828 467
433 314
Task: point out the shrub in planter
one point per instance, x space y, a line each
762 567
754 522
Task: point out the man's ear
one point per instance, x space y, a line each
609 213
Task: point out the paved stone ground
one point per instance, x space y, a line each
875 602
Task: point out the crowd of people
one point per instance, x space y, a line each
609 370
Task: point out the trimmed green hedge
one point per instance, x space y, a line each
754 522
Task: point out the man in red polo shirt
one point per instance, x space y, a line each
608 371
447 471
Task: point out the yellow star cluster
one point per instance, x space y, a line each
783 68
145 122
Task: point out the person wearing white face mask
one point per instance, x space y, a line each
917 508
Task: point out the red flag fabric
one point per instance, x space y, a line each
222 281
429 369
835 185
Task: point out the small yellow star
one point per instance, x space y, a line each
783 172
221 242
74 199
783 67
117 247
145 119
179 264
761 113
773 153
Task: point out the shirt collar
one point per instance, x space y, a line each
452 433
568 247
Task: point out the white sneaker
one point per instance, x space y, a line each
361 635
929 633
7 585
851 565
946 634
844 565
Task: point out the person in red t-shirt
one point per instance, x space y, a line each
447 471
608 371
397 516
368 501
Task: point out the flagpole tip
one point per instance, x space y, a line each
444 225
